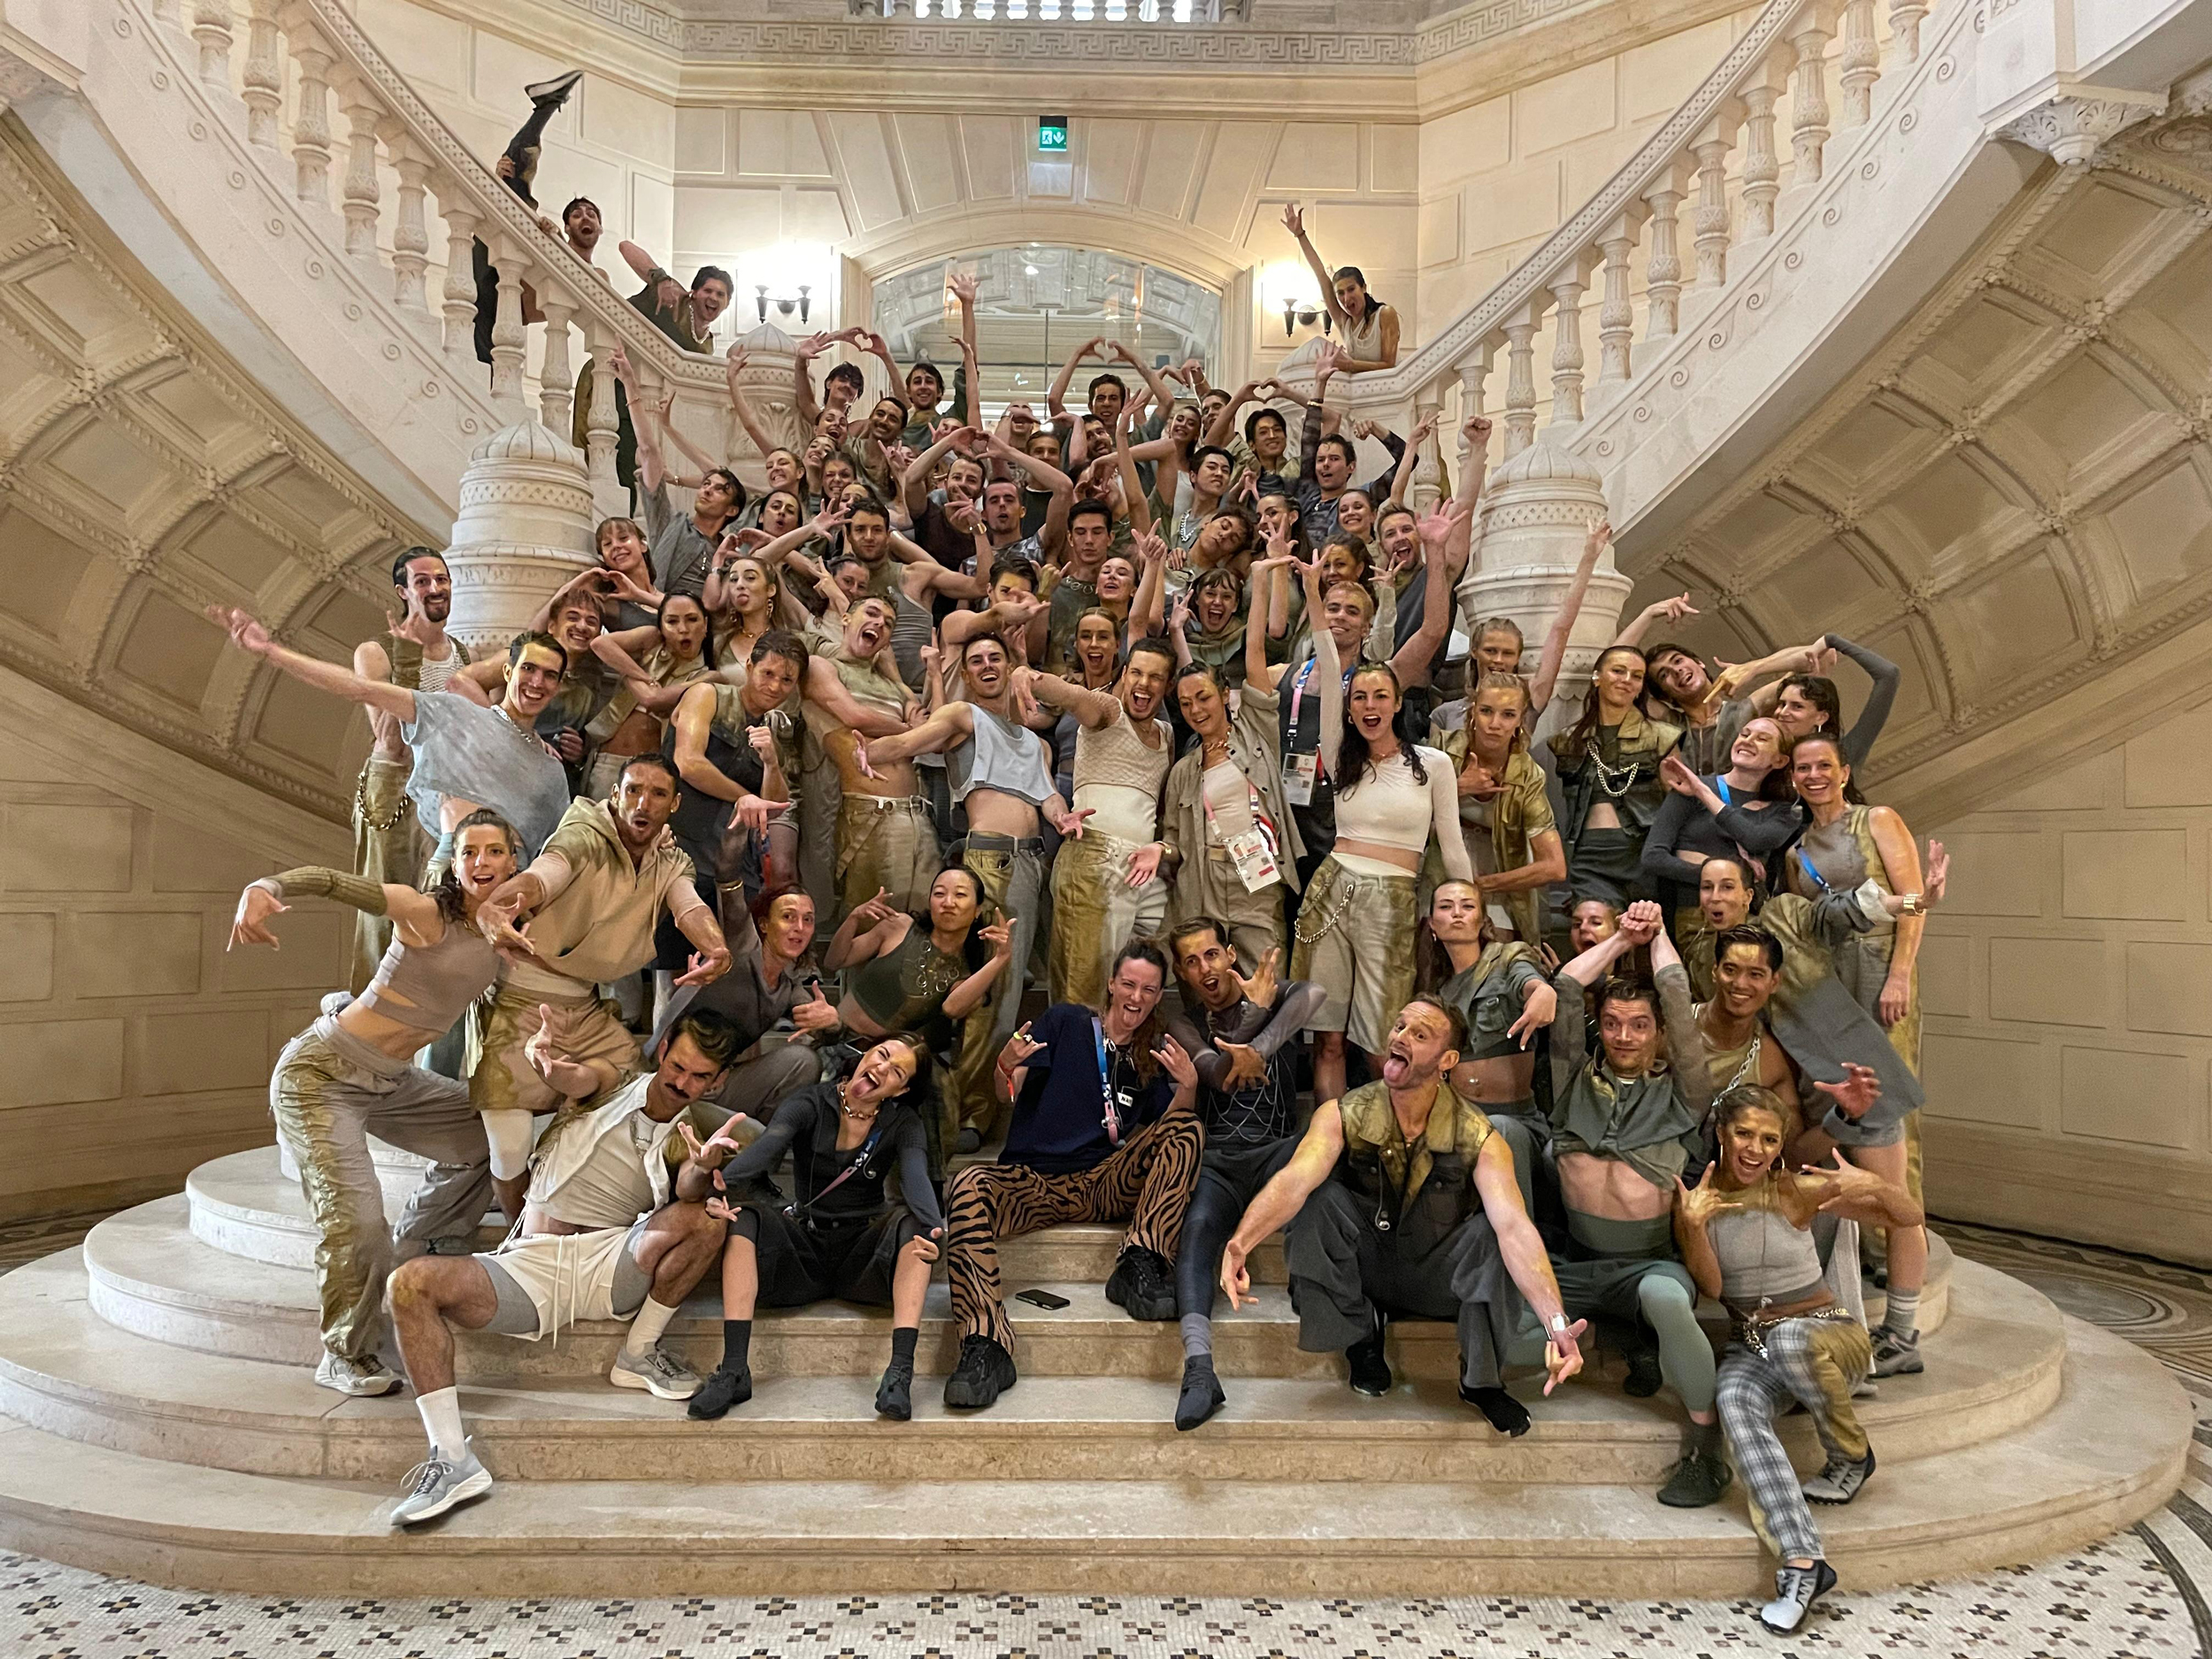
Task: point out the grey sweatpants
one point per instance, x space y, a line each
329 1091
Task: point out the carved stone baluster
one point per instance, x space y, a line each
1711 222
1567 358
556 396
362 192
210 31
265 75
508 335
1520 381
1859 65
1808 97
410 237
1762 162
1662 264
1474 379
601 429
1617 312
457 299
1904 28
310 128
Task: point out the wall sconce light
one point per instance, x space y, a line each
1295 315
784 303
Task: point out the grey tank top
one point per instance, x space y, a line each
427 988
1000 755
1762 1257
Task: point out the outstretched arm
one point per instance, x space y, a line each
248 636
1413 661
946 727
1283 1196
1554 651
1522 1247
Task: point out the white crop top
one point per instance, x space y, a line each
1389 807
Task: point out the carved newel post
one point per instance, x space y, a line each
524 528
1537 511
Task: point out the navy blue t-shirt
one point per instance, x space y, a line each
1059 1125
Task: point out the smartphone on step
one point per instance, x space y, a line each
1043 1298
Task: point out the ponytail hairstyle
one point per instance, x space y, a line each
1360 276
451 902
1580 739
1146 1037
1491 679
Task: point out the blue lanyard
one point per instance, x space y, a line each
1106 1082
1720 785
1818 879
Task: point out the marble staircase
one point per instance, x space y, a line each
161 1421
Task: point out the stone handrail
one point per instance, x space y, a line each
392 131
1784 52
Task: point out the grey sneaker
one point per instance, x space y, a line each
437 1485
368 1375
1896 1356
663 1378
1795 1590
1840 1481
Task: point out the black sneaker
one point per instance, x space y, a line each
1795 1590
1370 1369
1643 1380
986 1370
721 1390
1202 1394
555 91
1142 1283
895 1394
1696 1481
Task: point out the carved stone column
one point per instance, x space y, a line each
1537 511
524 528
2072 128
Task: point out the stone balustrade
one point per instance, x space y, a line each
358 139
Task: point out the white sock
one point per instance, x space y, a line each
441 1419
645 1330
1903 1316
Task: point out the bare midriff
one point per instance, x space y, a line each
1610 1189
1501 1080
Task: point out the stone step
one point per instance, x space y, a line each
151 1276
2111 1451
1995 1369
244 1205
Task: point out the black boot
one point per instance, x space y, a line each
895 1394
1369 1368
1142 1283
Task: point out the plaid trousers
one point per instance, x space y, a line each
1815 1362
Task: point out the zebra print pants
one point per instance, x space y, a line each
1148 1181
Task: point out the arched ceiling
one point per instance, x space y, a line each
141 478
2013 496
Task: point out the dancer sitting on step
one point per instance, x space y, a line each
1241 1035
602 1237
1744 1230
841 1237
1401 1200
1105 1128
348 1074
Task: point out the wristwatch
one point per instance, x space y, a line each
1557 1324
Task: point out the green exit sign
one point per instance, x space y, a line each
1052 134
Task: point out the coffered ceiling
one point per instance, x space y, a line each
141 478
2013 497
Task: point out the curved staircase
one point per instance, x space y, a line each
162 1422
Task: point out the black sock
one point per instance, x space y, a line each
903 1339
1507 1414
1705 1437
737 1336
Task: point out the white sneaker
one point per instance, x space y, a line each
664 1379
360 1377
1795 1590
437 1485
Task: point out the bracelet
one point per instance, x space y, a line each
1557 1324
1912 905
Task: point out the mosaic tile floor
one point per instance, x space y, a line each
2139 1596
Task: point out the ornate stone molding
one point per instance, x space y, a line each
2073 126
